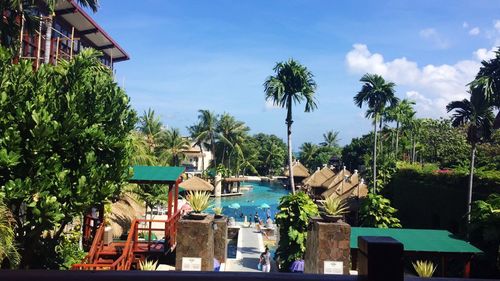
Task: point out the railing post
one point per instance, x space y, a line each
380 258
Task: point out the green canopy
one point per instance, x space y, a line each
156 174
418 240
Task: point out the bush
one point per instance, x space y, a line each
294 213
376 211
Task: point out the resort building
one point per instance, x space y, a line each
299 173
73 29
196 160
326 183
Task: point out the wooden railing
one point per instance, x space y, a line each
90 226
171 229
97 245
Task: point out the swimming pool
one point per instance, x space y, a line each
260 193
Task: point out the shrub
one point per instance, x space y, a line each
198 200
424 268
376 211
335 206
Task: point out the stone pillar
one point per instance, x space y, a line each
218 185
195 239
327 241
220 239
380 258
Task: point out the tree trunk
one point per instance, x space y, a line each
202 160
48 38
413 151
21 10
212 144
471 178
374 191
397 139
289 122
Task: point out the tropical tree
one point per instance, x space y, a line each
271 153
330 139
51 5
195 131
401 113
307 153
174 145
142 154
231 134
8 249
476 114
207 130
291 84
150 125
376 93
487 82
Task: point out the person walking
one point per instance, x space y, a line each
265 260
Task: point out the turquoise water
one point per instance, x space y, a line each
262 192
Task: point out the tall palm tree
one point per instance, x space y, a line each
195 132
51 5
478 116
291 84
376 93
400 113
174 145
307 152
207 131
231 134
487 81
142 154
330 139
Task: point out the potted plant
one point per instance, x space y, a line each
148 265
199 202
333 209
218 212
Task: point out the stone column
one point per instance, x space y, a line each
218 185
220 239
195 239
327 241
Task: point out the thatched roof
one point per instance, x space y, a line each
298 170
350 187
235 179
123 212
336 179
318 177
196 184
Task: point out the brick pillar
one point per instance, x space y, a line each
195 239
220 240
327 241
380 258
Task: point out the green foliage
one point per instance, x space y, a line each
294 213
68 250
376 211
335 206
424 268
64 143
217 210
354 153
271 154
8 248
314 156
198 200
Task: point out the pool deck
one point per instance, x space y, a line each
250 248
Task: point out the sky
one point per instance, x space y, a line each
188 55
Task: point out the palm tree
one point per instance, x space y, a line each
487 81
400 113
330 138
151 126
307 152
195 131
478 116
51 4
142 154
174 145
207 130
376 93
231 134
293 83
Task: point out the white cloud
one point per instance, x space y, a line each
484 54
433 36
465 25
431 86
474 31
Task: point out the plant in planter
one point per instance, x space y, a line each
199 202
218 212
108 231
424 268
333 209
148 265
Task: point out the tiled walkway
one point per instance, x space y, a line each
251 247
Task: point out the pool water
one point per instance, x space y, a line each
260 193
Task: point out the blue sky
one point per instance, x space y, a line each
189 55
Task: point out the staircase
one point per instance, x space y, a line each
122 255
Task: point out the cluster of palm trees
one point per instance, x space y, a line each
313 156
153 144
227 139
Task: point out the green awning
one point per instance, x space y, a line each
418 240
156 174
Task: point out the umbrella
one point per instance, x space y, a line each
264 206
297 266
234 206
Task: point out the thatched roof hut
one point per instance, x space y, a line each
196 184
299 171
318 177
336 179
348 187
123 212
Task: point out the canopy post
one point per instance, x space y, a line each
467 267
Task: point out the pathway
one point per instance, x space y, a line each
251 247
